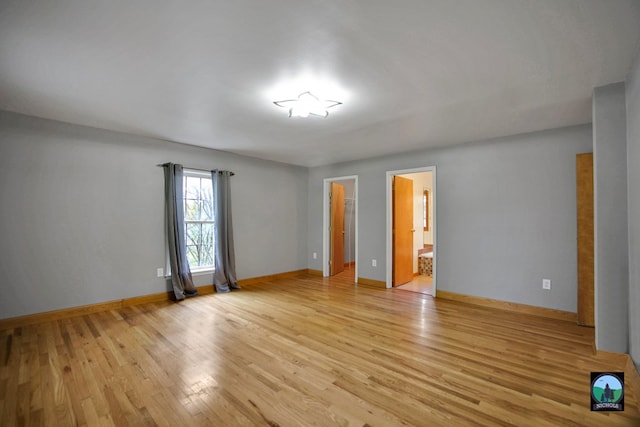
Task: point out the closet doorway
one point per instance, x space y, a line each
340 227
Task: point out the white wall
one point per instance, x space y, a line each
506 215
610 194
633 201
82 214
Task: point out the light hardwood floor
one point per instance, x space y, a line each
421 284
304 351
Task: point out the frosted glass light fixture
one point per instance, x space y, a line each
307 105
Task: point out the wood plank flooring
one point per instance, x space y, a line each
304 351
420 283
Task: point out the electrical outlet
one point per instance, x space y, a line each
546 284
315 255
374 263
160 272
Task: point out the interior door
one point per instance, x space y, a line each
584 208
402 230
336 264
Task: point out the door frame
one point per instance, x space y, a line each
389 229
326 222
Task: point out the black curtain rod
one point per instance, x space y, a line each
195 169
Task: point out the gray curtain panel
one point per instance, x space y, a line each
174 217
224 276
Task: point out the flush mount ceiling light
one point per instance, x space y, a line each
307 105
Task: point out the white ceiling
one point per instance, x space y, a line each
411 73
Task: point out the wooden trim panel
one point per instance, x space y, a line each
271 277
372 283
632 377
509 306
82 310
585 239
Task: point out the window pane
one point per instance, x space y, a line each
207 200
424 211
207 255
207 230
207 234
192 255
194 234
207 244
192 189
192 210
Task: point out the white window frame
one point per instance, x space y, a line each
198 174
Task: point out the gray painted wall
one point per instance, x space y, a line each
505 210
633 192
82 220
610 194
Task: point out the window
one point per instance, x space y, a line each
425 210
198 219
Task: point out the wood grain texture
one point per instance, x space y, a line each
585 231
337 229
363 281
304 351
402 230
633 377
284 275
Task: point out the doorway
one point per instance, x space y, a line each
411 230
340 240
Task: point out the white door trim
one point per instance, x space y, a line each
390 175
326 222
